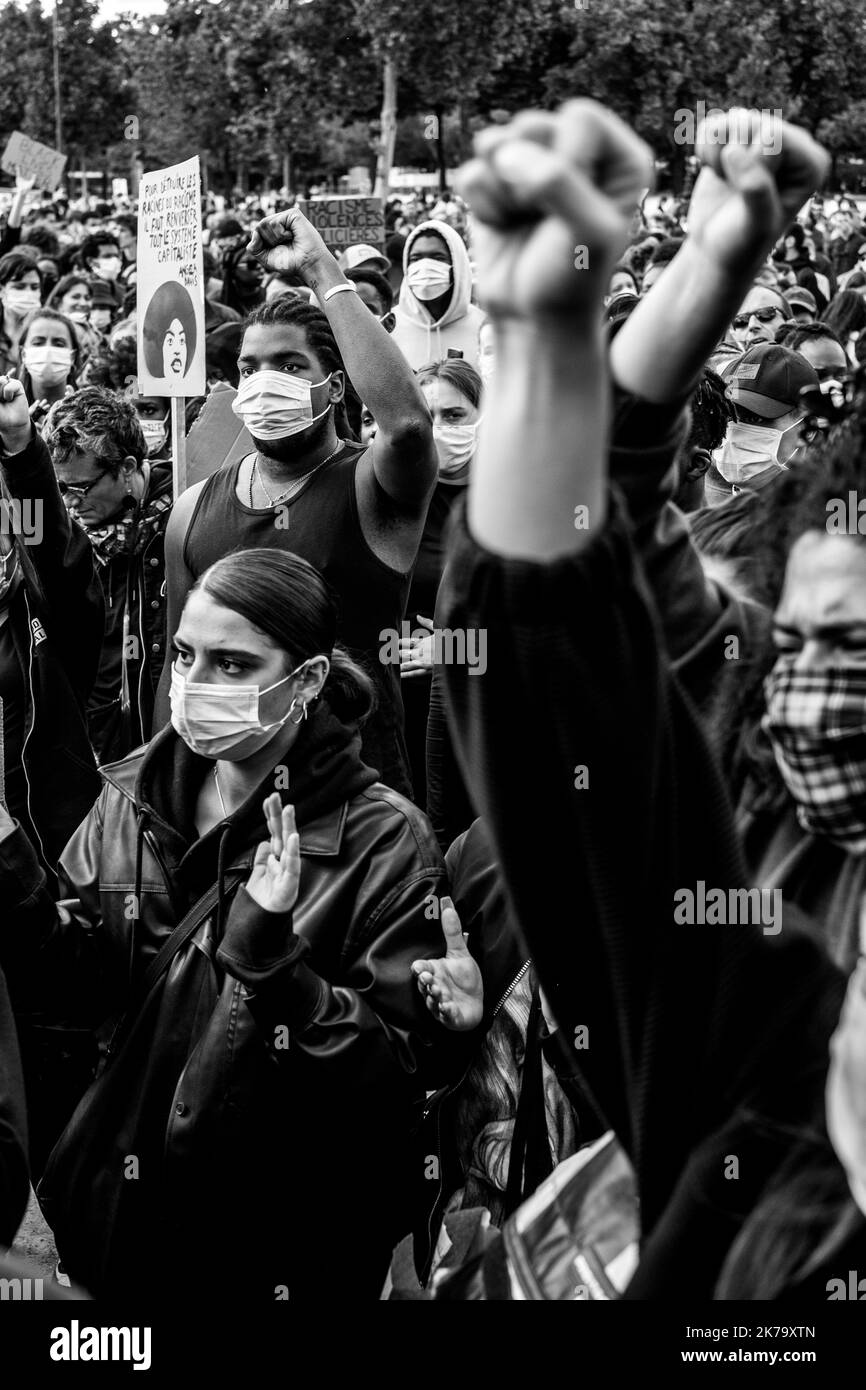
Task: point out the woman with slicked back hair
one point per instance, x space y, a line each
267 1037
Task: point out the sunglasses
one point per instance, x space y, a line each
765 315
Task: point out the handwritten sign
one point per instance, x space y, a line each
33 161
170 283
343 222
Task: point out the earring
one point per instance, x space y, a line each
303 715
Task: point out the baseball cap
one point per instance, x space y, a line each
362 254
768 380
804 299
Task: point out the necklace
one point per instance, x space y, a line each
255 475
218 792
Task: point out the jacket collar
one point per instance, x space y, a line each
320 837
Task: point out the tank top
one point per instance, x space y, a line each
321 524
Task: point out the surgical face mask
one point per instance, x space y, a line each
79 315
155 434
214 720
21 302
428 279
107 269
748 450
274 405
455 445
51 365
816 721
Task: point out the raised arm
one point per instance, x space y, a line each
12 231
547 236
757 173
605 806
402 456
55 545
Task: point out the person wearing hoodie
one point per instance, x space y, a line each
435 315
267 1048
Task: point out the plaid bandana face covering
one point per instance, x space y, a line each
816 721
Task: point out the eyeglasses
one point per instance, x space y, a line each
78 489
765 315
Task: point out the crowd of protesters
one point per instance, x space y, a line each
463 791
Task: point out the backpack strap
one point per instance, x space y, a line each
168 950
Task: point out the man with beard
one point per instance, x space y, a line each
355 513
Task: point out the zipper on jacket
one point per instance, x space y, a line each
30 650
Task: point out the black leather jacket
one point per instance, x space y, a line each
56 620
292 1162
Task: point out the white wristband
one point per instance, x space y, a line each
338 289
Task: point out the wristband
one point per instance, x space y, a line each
338 289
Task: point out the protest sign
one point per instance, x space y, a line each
170 298
343 222
33 161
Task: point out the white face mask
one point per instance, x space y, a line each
79 315
274 405
748 450
214 720
155 434
428 279
21 302
51 365
455 445
108 269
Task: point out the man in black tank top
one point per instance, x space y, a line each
356 514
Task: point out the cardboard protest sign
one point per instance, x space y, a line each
170 283
343 222
218 437
33 161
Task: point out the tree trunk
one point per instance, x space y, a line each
287 170
440 148
389 128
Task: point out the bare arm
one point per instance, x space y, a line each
538 486
744 198
403 456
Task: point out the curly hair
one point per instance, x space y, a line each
95 421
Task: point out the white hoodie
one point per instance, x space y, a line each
416 335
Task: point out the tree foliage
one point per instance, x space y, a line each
251 84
